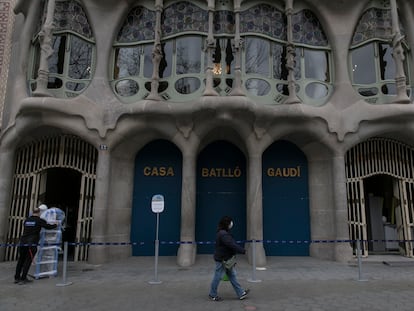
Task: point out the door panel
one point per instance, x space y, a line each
356 215
221 191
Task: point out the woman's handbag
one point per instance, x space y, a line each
229 263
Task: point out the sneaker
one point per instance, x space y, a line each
244 295
16 281
214 298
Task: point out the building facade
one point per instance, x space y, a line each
294 117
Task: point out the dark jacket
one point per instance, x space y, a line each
32 226
226 246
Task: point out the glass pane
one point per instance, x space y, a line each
54 83
389 89
80 58
316 90
187 85
148 60
229 57
188 55
75 86
166 61
127 62
363 64
57 59
316 65
372 91
257 56
127 87
298 65
282 88
36 60
387 65
257 87
280 71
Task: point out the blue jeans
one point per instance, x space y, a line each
218 274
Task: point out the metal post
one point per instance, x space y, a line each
253 279
157 244
65 261
359 260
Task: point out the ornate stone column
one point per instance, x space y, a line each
290 56
209 48
399 57
98 254
45 38
187 252
237 88
157 54
255 208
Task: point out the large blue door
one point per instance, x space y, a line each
158 169
221 191
285 200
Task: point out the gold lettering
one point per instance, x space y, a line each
170 171
161 171
284 171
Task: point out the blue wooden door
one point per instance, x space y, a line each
221 191
158 170
285 200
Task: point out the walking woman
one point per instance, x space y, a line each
225 250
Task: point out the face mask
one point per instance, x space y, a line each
231 225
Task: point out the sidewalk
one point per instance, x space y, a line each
288 283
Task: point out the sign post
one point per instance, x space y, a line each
157 206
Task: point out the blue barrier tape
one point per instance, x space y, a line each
201 242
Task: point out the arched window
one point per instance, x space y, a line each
373 68
181 71
72 60
264 29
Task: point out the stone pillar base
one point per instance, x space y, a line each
97 254
343 252
186 255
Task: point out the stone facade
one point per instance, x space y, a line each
119 131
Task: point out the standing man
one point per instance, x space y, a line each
225 250
28 243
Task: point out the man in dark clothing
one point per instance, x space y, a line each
28 244
225 249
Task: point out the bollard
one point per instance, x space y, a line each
157 246
65 261
359 260
253 279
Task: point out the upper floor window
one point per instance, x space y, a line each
72 60
264 29
373 68
181 70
